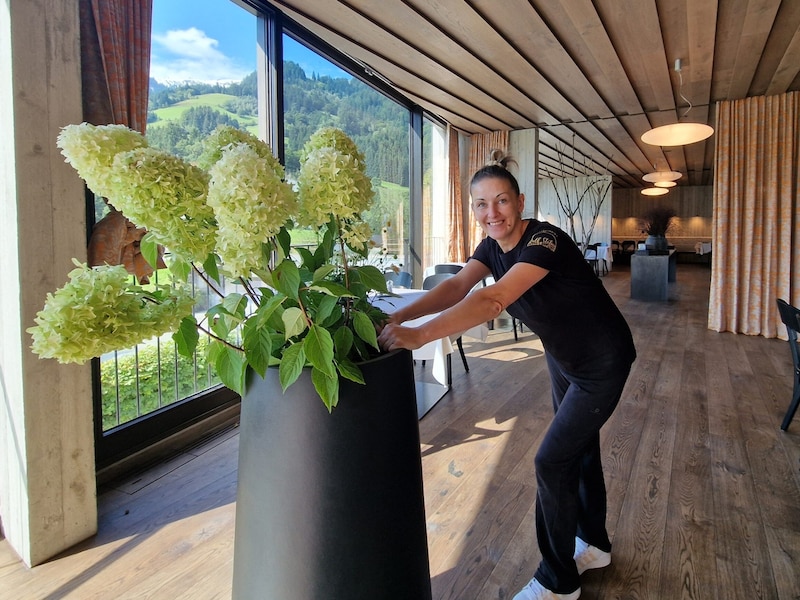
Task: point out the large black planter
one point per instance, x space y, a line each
331 505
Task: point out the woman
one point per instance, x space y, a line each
543 280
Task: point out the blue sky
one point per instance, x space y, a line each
214 41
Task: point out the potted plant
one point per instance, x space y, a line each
295 335
656 222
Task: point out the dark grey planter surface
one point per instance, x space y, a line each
330 506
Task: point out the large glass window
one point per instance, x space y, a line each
210 66
316 94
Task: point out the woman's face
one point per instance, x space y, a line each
498 210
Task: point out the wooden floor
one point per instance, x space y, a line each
704 488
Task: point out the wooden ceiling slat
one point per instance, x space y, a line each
599 71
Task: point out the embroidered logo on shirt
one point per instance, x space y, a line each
545 238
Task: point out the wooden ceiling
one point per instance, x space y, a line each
591 74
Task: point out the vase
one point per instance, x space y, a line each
657 243
330 505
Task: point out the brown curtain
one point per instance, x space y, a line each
481 146
457 247
115 75
115 61
756 222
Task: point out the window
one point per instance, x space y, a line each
211 64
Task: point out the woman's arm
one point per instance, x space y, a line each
478 307
445 294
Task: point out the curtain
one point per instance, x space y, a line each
756 223
115 75
457 247
481 146
115 61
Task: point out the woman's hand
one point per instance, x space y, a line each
394 336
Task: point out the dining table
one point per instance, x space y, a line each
437 352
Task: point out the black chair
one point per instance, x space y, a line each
428 284
590 254
791 318
399 279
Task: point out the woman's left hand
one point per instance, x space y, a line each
395 336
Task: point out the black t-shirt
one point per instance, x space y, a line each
569 309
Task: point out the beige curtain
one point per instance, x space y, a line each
457 246
115 61
756 222
481 146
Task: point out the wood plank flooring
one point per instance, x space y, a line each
704 488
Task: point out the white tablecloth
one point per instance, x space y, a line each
438 350
603 253
702 248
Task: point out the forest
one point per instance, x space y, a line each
180 116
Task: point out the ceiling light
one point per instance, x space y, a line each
678 134
654 191
662 176
665 184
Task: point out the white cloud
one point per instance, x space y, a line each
190 55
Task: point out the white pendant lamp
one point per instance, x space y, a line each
678 134
662 176
665 184
654 191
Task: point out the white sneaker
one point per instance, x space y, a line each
589 557
536 591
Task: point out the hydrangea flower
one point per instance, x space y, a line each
231 215
167 196
251 203
98 310
91 150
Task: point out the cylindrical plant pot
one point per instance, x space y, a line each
330 505
657 243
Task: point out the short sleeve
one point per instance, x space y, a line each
542 249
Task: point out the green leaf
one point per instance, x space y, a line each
210 267
318 345
257 342
294 322
327 387
285 240
306 258
349 369
231 367
180 268
236 304
331 288
149 249
343 342
286 278
322 272
186 337
325 307
372 278
365 328
292 363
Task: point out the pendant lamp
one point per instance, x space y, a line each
654 191
665 184
681 133
662 176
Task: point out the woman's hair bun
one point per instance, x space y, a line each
498 158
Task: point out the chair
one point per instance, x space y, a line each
429 283
591 254
399 279
447 268
791 318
